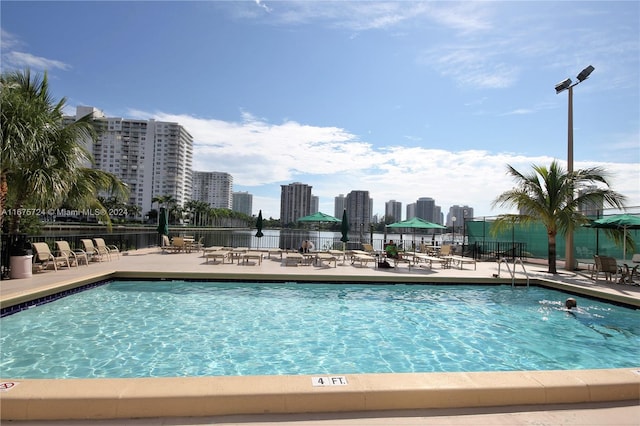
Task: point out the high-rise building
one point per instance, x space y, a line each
315 204
154 158
295 202
461 213
426 209
339 206
243 203
392 211
213 188
358 205
590 208
411 211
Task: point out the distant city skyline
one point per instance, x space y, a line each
403 99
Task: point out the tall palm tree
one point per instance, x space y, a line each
552 196
44 159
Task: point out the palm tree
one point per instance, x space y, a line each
43 158
548 196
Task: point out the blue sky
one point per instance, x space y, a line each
403 99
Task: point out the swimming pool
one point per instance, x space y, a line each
177 328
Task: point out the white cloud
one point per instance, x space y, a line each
261 156
21 59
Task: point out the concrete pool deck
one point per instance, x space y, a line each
445 398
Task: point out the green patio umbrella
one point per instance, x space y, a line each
259 234
619 221
344 227
319 217
163 223
415 223
344 230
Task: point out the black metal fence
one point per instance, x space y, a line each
492 250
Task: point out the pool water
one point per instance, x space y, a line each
177 328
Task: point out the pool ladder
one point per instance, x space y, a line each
513 273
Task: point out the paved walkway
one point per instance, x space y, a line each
193 265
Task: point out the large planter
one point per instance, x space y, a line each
20 266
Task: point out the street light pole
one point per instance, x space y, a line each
569 258
453 237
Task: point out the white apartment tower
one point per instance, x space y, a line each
295 202
154 158
213 188
243 203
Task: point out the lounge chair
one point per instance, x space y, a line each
368 248
92 252
74 256
217 255
460 261
427 259
326 257
104 248
293 259
44 257
362 259
274 251
246 257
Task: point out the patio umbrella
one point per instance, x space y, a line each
163 223
619 221
416 223
319 217
344 227
344 230
259 233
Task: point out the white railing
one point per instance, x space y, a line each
513 273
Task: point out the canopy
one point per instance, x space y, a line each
318 217
619 221
416 223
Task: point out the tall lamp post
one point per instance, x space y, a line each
453 237
464 228
569 259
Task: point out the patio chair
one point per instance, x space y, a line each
178 244
44 256
445 250
604 265
74 256
166 245
198 245
104 248
92 252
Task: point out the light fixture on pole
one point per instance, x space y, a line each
464 228
453 237
569 258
